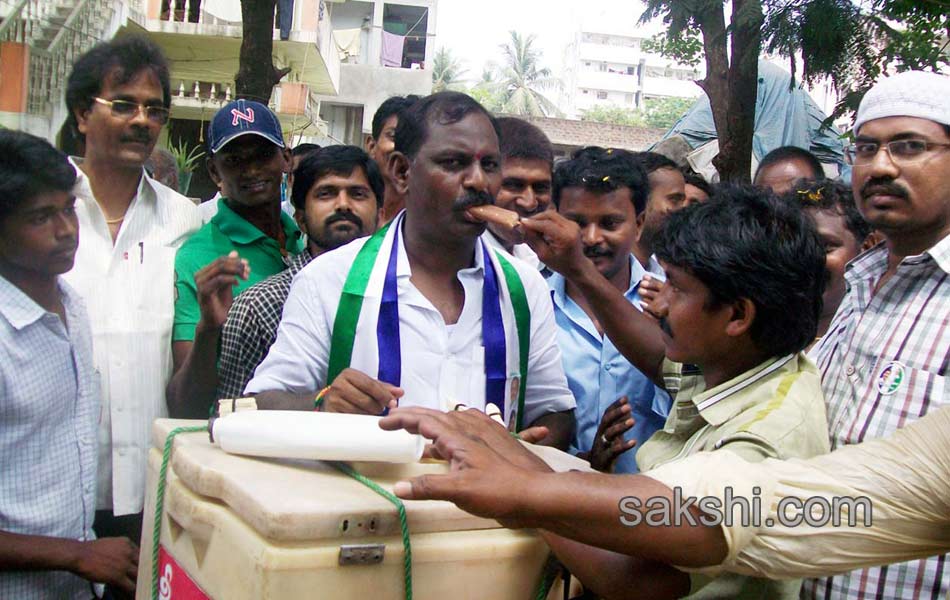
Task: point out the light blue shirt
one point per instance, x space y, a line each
49 414
598 374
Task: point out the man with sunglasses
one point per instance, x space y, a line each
118 96
885 356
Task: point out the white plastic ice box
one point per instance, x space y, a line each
236 528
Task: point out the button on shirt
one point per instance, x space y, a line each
128 289
226 232
598 374
49 408
441 365
883 364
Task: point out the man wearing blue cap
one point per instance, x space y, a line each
248 240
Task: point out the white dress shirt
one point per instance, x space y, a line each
442 365
129 292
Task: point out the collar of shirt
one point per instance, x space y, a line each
403 270
16 307
146 196
520 251
241 231
295 262
20 310
558 287
723 402
653 268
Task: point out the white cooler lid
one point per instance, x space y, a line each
297 500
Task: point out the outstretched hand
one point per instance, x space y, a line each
488 465
556 241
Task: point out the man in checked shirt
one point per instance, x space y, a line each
884 359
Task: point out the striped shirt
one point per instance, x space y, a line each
883 365
49 408
251 327
128 287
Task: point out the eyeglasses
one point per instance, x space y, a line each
902 152
125 109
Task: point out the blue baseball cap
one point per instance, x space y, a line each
242 117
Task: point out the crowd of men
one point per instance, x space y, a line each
706 335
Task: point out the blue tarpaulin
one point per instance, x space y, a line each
783 117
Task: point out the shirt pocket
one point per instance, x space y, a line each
152 279
900 391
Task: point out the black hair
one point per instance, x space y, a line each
519 139
696 180
654 161
336 160
30 166
392 106
602 170
747 243
304 149
788 153
130 54
834 197
443 108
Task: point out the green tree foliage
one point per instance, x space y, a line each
663 113
614 114
447 71
523 79
852 42
658 113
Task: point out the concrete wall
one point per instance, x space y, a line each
369 86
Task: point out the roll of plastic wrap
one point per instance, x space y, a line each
314 435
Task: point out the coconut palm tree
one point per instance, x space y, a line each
447 70
522 79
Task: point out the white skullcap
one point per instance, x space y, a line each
909 94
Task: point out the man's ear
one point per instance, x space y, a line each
369 144
743 315
288 160
82 119
873 239
398 168
639 221
301 218
213 171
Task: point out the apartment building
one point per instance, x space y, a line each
608 66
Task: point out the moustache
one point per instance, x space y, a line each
596 251
141 138
883 186
344 216
665 326
473 199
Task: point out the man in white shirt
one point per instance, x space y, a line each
439 319
118 97
527 160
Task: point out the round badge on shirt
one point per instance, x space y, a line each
891 378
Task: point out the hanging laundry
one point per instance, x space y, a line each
392 49
347 42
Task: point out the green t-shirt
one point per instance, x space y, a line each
225 232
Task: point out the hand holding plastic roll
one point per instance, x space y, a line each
315 436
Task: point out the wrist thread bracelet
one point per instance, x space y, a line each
319 398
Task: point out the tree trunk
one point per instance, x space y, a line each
732 86
257 76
